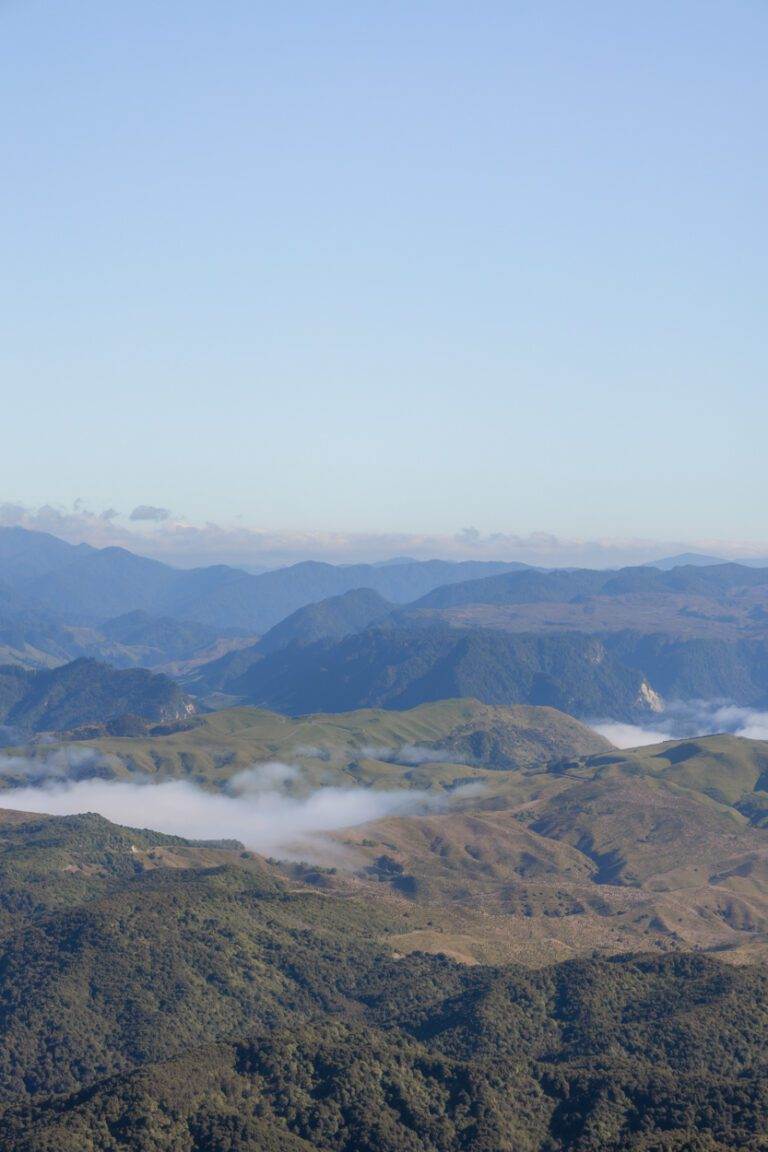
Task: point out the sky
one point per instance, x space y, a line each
376 274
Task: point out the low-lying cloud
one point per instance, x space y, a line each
411 755
630 735
688 718
255 809
70 763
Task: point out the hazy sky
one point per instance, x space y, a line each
388 267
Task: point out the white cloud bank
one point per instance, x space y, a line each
153 530
690 718
630 735
255 810
70 763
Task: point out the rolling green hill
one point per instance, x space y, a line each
564 845
373 746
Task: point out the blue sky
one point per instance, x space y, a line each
388 268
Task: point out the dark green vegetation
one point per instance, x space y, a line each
331 619
86 693
328 620
400 666
163 997
464 982
590 643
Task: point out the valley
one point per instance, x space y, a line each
577 947
527 837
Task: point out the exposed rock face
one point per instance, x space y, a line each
650 698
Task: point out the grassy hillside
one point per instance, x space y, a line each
371 745
431 747
564 846
661 847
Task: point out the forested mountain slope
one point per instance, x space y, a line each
86 693
395 666
200 1004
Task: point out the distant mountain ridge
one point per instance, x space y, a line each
565 586
318 636
613 643
330 619
82 584
25 554
699 559
683 559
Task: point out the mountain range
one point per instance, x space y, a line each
591 643
85 585
524 938
314 637
400 667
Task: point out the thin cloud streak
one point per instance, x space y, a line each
412 754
